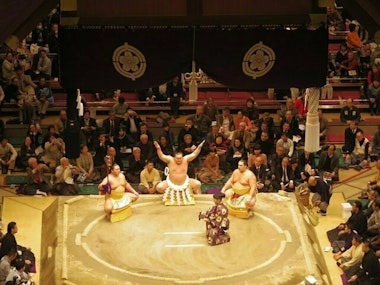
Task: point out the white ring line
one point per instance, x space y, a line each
176 280
184 245
288 236
182 233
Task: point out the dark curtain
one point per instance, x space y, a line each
87 57
300 57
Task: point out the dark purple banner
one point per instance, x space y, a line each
118 58
258 59
99 58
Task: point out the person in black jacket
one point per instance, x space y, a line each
9 242
176 96
369 271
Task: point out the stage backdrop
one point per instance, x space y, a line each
100 58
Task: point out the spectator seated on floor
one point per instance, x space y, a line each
369 270
328 165
110 125
373 223
236 152
293 124
109 160
353 39
44 97
241 118
146 147
166 149
360 155
344 239
374 148
221 146
38 182
226 122
264 128
374 183
371 195
306 161
211 135
62 122
26 102
8 66
34 132
256 152
289 106
44 65
210 109
210 172
120 108
168 134
26 83
276 159
188 146
267 145
284 177
18 274
143 130
131 123
101 147
296 170
373 96
5 264
149 178
286 143
122 144
85 164
64 182
350 137
9 242
88 128
27 151
250 110
357 220
244 134
350 113
188 129
284 129
136 165
54 151
262 175
201 122
8 156
350 260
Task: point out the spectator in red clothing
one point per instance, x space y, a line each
373 74
350 66
299 104
353 39
242 118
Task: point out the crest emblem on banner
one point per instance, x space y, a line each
129 61
258 60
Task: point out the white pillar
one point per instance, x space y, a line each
312 120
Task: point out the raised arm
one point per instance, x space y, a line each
165 158
195 153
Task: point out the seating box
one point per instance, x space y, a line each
346 210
